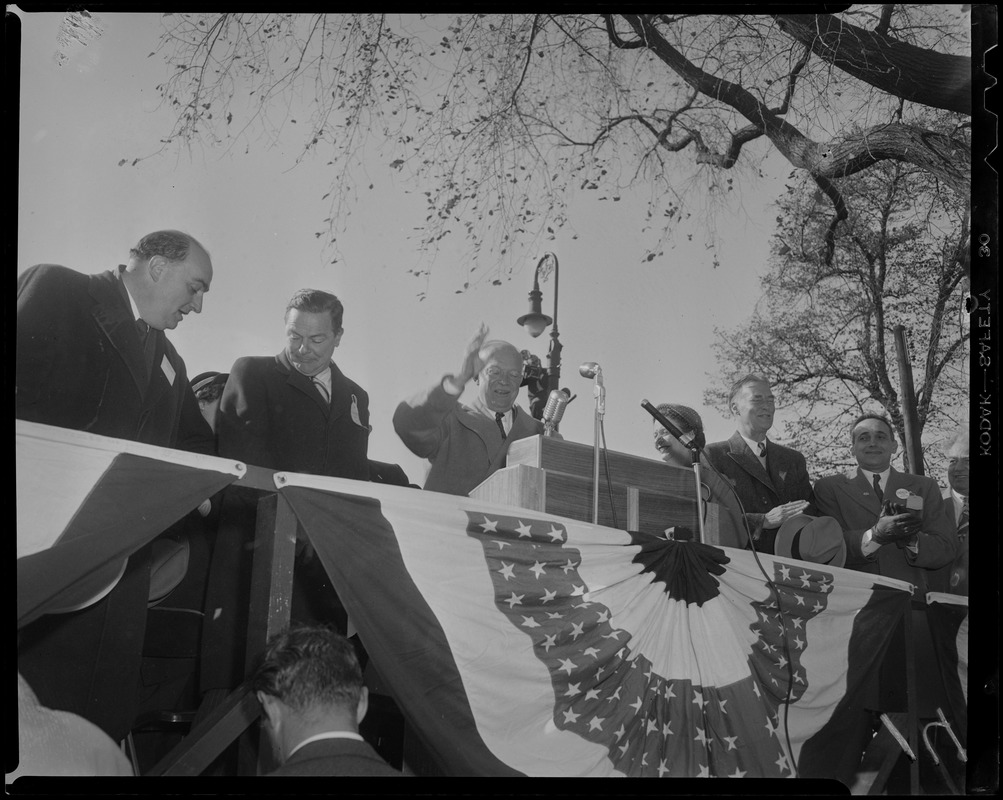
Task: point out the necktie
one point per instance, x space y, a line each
762 449
877 487
963 521
322 388
499 416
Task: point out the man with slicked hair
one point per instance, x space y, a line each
883 538
91 355
310 687
467 443
912 547
296 412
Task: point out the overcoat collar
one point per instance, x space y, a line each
339 400
112 313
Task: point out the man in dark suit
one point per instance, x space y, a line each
92 356
771 480
310 688
467 443
296 412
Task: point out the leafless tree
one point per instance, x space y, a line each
822 332
499 120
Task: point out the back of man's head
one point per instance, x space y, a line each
311 669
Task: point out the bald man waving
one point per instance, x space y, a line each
467 443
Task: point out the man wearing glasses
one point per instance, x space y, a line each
465 443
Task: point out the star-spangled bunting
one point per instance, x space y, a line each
609 693
804 592
537 645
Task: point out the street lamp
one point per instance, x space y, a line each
536 322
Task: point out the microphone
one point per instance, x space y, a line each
686 438
554 410
590 369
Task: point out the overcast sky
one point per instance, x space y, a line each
648 323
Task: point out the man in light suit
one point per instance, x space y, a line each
906 546
92 356
310 688
771 480
467 443
911 546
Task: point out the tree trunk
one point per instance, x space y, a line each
946 158
913 73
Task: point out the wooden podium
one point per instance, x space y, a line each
555 476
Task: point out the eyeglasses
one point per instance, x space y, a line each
497 372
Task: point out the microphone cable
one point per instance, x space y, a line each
609 480
785 637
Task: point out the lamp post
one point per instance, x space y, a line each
536 321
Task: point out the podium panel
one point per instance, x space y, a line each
555 476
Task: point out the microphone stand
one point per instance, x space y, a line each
695 453
689 442
599 390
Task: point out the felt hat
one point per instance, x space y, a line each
815 539
168 567
204 379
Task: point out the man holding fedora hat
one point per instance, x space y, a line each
770 480
815 539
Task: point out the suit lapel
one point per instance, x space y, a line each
114 317
478 423
522 425
341 396
856 488
302 383
749 461
778 467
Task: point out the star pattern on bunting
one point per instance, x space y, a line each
804 593
607 692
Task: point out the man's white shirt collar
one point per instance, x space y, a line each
870 476
326 735
324 376
132 303
754 447
508 417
